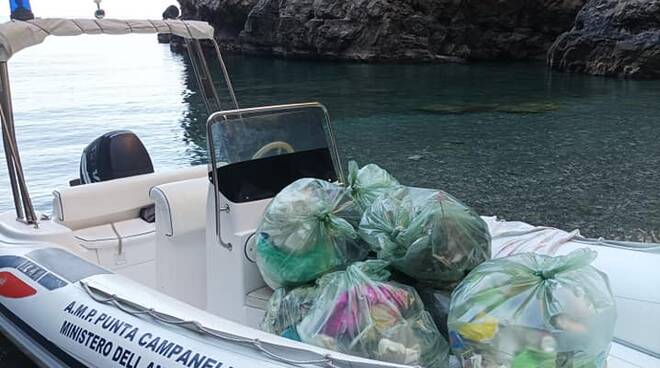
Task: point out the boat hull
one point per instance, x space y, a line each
47 309
62 326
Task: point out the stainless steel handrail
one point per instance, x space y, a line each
258 109
7 139
22 201
225 73
223 117
214 176
198 76
207 74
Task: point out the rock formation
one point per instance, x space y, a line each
612 37
227 16
389 30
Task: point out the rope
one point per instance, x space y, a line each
627 245
138 310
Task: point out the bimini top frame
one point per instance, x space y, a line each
18 35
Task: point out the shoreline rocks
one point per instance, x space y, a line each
618 38
388 30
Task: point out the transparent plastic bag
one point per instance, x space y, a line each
368 183
428 235
532 310
306 231
286 309
359 312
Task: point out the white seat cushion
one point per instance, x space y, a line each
181 239
181 206
112 201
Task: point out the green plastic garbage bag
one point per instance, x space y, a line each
428 235
286 309
368 183
307 231
359 312
531 310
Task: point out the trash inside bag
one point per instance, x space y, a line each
359 312
368 183
437 302
286 309
306 231
531 310
428 235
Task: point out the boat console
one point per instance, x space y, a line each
279 145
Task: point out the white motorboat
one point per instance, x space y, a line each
100 282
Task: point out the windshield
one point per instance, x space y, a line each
247 135
257 152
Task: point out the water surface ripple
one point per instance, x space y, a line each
512 140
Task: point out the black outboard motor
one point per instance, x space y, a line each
114 155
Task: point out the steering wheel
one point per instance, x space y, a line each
279 147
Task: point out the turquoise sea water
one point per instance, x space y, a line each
512 140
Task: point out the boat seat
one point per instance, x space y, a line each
258 299
102 236
111 201
126 247
181 239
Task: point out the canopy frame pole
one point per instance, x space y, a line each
22 201
203 76
207 74
198 78
225 74
7 135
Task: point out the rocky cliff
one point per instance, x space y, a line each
612 37
389 30
227 16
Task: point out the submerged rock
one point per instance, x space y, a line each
528 107
518 108
389 30
613 38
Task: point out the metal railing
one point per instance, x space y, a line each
22 201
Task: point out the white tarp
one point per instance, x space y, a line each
514 237
17 35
